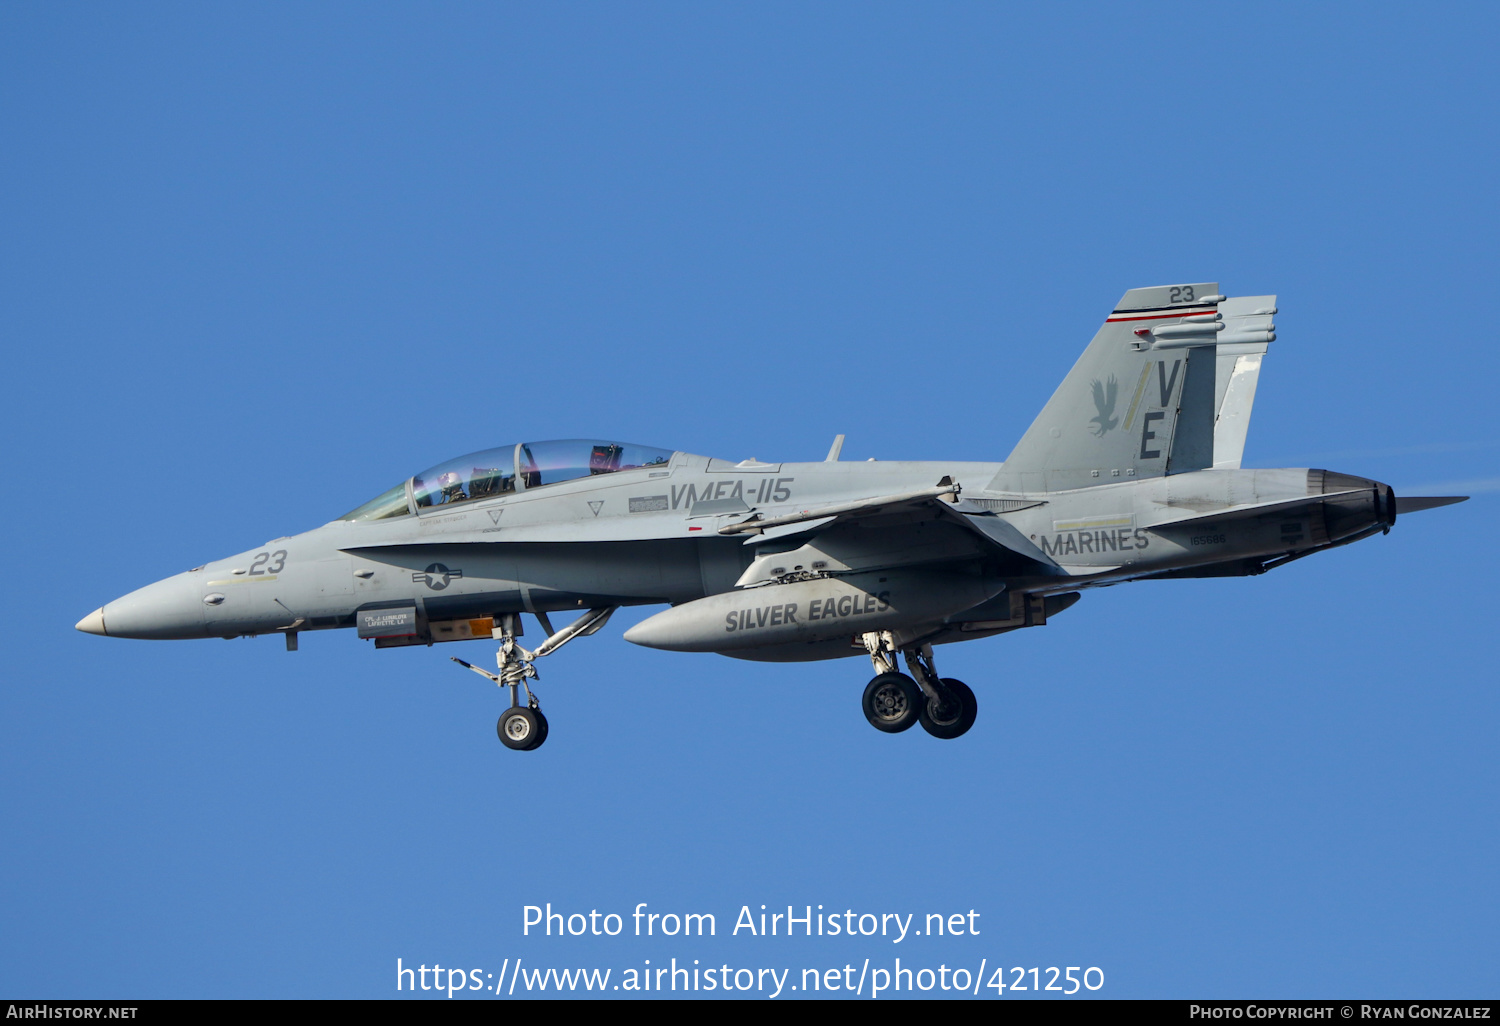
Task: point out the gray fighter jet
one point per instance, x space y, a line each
1131 471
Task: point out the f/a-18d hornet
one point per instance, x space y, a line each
1130 472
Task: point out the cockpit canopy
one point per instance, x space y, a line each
509 468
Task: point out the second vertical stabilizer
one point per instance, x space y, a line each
1248 330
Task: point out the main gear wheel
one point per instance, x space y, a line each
892 702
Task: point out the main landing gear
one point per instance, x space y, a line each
894 702
523 727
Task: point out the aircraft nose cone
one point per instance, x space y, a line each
93 623
172 608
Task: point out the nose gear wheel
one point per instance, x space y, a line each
523 727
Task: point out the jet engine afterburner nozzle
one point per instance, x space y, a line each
1387 504
1356 504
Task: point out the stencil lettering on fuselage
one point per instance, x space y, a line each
1093 543
833 608
762 491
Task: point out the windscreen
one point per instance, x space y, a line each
383 506
479 475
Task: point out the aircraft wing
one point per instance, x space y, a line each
826 515
943 499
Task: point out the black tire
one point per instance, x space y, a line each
892 702
541 731
518 728
953 718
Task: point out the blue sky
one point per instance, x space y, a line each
260 263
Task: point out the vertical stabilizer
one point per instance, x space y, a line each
1140 401
1248 330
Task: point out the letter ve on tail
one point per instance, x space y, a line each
1140 401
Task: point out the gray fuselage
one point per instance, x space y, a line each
651 536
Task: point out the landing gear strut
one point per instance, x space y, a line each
523 727
893 701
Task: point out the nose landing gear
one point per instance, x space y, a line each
893 701
523 727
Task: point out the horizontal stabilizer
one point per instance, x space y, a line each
1003 533
1252 509
1415 504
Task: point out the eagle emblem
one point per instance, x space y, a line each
1104 401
